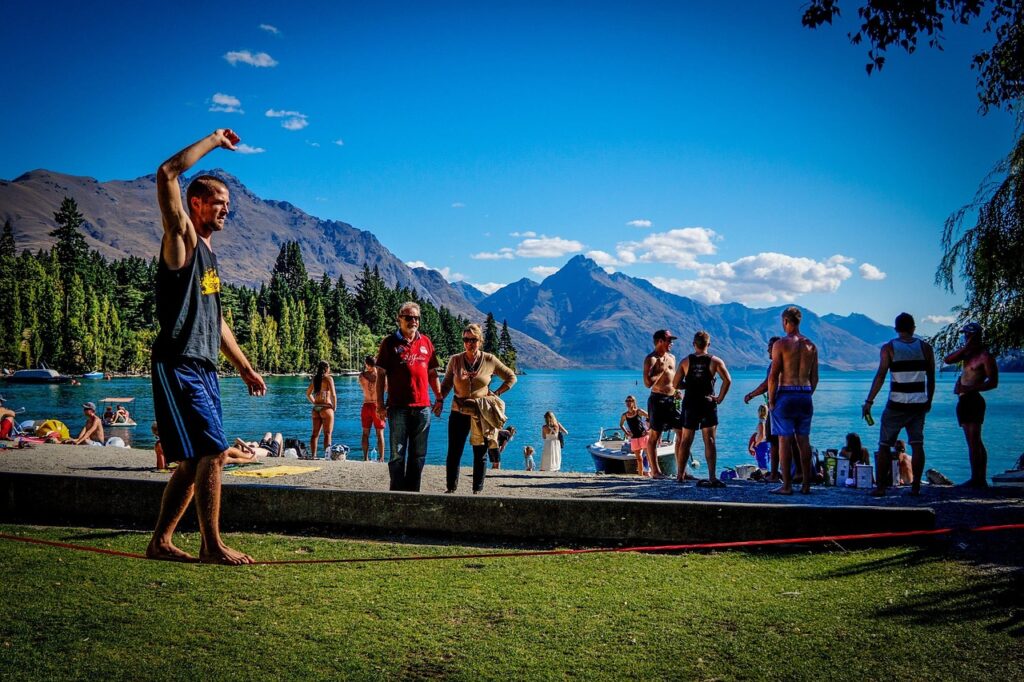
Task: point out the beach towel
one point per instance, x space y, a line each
270 472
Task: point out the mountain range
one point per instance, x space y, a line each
580 316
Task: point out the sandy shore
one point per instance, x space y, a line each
953 506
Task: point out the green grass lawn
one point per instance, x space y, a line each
894 613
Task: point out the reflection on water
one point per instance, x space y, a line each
583 400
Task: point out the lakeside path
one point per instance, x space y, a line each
954 507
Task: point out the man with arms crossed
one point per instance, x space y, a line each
659 370
791 382
979 373
912 363
406 359
186 392
700 405
368 416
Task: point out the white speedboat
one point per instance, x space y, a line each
42 375
612 455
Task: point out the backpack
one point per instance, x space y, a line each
299 447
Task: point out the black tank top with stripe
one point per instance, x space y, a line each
188 309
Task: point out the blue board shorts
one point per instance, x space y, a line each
793 411
186 400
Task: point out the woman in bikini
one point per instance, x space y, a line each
322 395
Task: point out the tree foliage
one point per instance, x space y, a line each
74 310
901 23
989 257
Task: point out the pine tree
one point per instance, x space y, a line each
490 335
8 249
506 349
71 248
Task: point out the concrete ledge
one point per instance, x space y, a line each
93 500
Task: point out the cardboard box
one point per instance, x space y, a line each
865 475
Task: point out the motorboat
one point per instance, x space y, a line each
1011 478
93 375
612 455
115 420
41 375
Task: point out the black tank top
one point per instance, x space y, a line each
188 308
636 428
700 381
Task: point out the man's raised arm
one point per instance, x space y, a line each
179 233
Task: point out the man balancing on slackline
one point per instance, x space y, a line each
186 394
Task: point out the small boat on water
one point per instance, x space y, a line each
116 420
42 375
612 455
93 375
1012 478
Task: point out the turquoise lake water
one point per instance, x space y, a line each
583 400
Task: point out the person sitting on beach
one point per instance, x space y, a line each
791 382
6 420
92 432
528 457
633 423
322 395
758 445
698 371
855 451
905 464
368 417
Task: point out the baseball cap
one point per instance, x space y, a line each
971 328
89 406
664 334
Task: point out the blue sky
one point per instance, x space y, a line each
724 153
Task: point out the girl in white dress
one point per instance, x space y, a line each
551 458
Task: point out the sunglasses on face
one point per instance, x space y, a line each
410 318
469 339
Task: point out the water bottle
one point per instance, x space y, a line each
373 455
869 419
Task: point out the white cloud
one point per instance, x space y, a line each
501 254
260 59
226 104
243 148
340 142
940 319
870 272
840 259
543 270
602 258
458 204
764 279
488 287
293 120
547 247
269 29
312 144
678 247
640 222
528 233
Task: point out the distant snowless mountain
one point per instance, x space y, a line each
579 316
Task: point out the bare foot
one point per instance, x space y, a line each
225 556
773 478
168 552
784 490
805 489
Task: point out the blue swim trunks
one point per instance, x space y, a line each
186 400
793 411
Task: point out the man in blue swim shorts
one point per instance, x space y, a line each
186 392
791 382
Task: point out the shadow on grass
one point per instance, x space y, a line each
993 595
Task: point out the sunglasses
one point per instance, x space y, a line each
470 339
410 318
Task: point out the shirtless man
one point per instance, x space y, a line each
978 373
659 370
368 416
697 372
791 382
186 351
92 432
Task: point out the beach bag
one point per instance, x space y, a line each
300 448
561 439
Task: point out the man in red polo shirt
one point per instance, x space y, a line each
407 359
